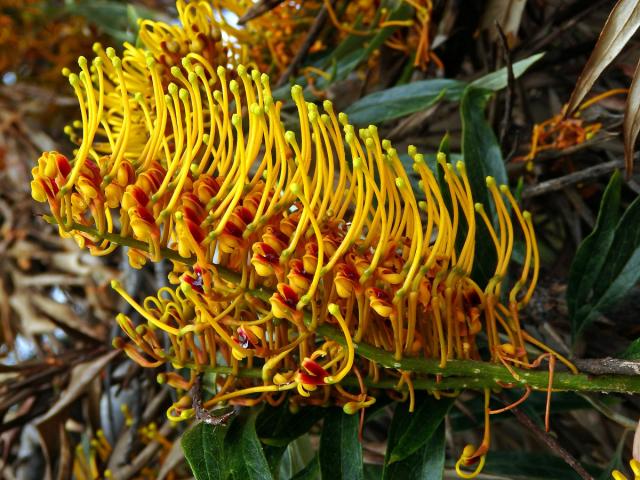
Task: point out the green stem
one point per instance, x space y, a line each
456 374
537 380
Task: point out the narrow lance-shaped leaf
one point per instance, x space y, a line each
623 254
621 268
417 428
499 79
340 448
622 23
592 252
244 456
404 100
202 446
426 463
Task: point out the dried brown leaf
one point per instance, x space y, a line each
631 126
67 319
81 376
507 14
622 23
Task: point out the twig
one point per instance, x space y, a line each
314 31
550 442
201 413
561 183
144 457
511 80
608 366
258 10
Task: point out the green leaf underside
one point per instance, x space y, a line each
403 100
592 252
340 449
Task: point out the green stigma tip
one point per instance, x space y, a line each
256 109
289 136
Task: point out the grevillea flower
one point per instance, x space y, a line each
277 236
635 468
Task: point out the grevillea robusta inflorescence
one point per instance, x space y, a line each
276 235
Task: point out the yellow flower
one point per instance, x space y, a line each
201 169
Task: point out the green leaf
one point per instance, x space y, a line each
413 430
499 79
426 463
621 269
297 456
403 100
310 472
202 446
482 158
115 18
529 466
632 352
618 273
244 456
340 448
278 426
401 11
592 252
372 471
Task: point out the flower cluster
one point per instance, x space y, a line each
35 45
274 49
279 237
561 131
